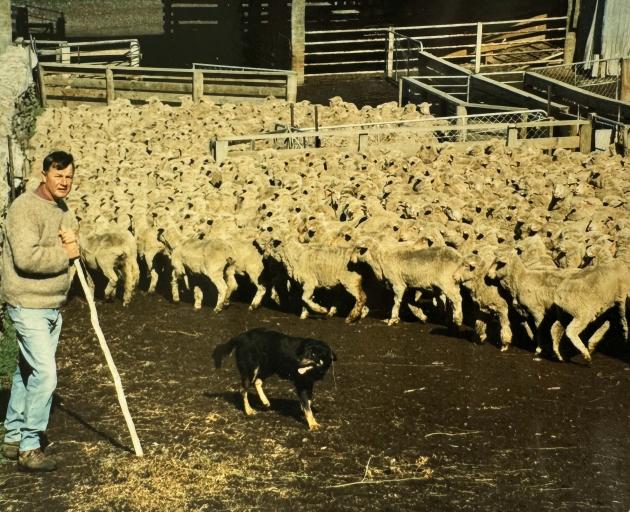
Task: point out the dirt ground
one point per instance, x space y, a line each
414 417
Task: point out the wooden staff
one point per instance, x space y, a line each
110 362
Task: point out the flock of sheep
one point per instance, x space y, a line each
527 235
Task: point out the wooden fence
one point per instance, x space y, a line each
102 84
115 52
570 134
483 46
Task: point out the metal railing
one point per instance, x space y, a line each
601 77
483 46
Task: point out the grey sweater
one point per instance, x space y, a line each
35 267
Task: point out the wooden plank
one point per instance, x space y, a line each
550 142
586 138
77 83
41 77
197 87
600 104
481 87
440 66
109 86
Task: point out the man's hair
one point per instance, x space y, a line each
58 160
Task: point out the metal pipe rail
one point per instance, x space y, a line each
326 50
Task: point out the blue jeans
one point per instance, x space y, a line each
35 378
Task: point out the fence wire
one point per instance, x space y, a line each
429 130
601 77
481 127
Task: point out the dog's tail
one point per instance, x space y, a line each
222 351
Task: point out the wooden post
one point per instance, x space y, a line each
42 88
219 150
626 140
586 136
197 86
292 83
5 24
512 136
624 86
461 112
389 61
298 21
569 47
65 54
400 93
363 140
134 50
478 47
318 140
11 170
109 85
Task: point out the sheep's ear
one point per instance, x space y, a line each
362 250
275 243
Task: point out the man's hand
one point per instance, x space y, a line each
67 236
69 243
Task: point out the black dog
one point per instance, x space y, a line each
260 353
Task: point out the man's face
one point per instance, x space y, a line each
58 182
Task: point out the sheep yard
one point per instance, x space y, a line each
414 415
412 419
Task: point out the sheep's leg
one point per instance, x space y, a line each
198 297
260 293
175 285
131 274
455 298
575 327
399 292
621 306
417 312
258 384
151 272
353 285
557 330
480 330
107 267
506 331
528 330
222 290
231 282
307 296
597 336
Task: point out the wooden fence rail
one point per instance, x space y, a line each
122 52
102 84
576 134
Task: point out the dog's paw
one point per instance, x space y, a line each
314 426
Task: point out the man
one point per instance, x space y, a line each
38 250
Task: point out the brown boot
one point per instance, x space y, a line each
35 460
10 450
